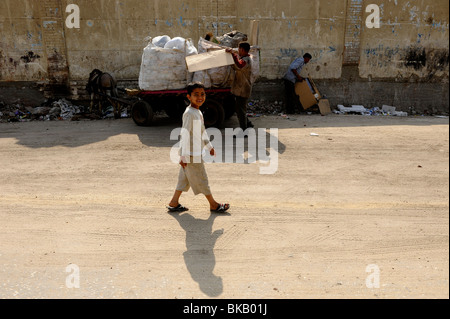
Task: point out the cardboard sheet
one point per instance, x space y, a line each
324 107
208 60
307 97
308 92
254 32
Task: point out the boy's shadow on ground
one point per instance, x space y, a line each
199 257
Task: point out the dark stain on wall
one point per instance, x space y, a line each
58 73
30 57
434 60
416 58
437 59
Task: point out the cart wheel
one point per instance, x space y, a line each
175 107
229 105
142 113
213 113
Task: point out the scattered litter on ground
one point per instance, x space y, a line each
68 110
385 110
124 114
62 110
353 109
265 107
253 115
109 112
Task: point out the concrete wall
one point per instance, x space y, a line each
412 42
290 28
411 46
21 33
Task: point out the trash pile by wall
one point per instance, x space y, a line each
59 110
56 110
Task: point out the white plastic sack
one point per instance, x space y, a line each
181 44
165 68
254 56
176 43
203 77
161 40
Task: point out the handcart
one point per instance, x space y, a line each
219 105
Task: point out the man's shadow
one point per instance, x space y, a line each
199 257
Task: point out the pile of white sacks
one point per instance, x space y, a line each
164 65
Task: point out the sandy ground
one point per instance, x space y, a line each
359 211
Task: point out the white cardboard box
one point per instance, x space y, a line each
208 60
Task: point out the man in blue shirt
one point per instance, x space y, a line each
291 77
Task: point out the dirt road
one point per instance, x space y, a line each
359 209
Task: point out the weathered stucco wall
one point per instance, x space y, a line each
411 44
290 28
22 55
112 33
116 36
413 41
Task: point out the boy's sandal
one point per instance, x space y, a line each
222 208
179 209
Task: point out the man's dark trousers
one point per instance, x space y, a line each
292 99
241 111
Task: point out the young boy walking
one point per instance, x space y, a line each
194 140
